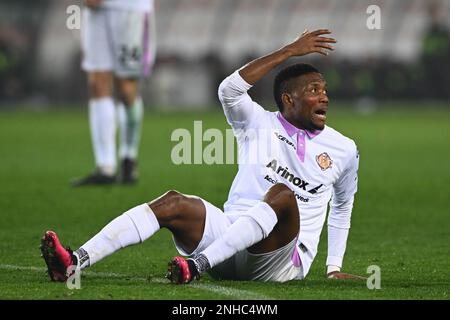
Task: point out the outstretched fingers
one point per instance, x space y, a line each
323 44
320 32
310 42
321 51
322 48
323 39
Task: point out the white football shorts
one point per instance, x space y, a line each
280 265
121 41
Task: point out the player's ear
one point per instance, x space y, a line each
287 100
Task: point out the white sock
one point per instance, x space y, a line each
250 228
134 226
130 122
102 119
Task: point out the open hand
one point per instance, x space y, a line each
309 42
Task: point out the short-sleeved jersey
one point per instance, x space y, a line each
315 165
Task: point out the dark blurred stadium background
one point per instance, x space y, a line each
204 40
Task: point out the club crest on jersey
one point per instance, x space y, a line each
324 161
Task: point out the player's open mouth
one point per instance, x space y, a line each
321 114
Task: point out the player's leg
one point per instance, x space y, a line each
98 63
268 226
134 56
130 115
102 119
183 215
282 200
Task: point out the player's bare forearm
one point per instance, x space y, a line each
306 43
255 70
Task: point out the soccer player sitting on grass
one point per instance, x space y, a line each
277 206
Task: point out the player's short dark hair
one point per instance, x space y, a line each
282 80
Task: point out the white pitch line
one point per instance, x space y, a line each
231 292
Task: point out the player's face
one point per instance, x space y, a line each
309 102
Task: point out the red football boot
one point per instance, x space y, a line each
182 271
57 258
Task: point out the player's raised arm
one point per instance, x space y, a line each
306 43
239 108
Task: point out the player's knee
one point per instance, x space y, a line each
172 194
99 86
174 200
282 200
171 205
279 192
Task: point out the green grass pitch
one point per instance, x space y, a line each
400 221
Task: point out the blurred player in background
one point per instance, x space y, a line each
271 224
118 40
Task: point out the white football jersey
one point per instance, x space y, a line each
134 5
316 166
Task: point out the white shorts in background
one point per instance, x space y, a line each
280 265
121 41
